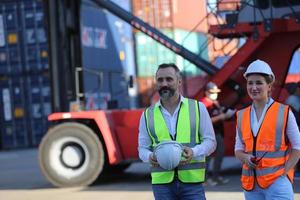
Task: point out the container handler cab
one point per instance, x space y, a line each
80 146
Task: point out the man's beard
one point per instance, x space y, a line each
166 92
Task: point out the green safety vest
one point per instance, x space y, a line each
187 133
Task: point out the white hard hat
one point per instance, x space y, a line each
168 154
261 67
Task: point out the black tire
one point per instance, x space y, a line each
71 154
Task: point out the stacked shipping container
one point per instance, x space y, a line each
24 78
172 18
176 19
25 93
187 24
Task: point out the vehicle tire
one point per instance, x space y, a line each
71 154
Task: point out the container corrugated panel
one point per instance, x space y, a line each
150 53
14 125
39 105
25 105
10 45
34 36
107 48
23 40
172 14
187 15
157 13
25 86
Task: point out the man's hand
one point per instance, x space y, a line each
153 160
187 154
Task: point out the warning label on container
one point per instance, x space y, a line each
2 36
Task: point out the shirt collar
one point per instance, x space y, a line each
267 104
158 103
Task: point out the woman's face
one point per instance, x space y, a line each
257 87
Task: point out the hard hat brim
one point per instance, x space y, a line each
164 154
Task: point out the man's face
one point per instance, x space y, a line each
167 82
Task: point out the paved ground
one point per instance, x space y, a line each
21 179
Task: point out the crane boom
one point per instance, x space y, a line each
157 36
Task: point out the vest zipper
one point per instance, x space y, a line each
177 121
255 139
254 154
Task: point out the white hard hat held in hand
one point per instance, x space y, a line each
168 154
260 67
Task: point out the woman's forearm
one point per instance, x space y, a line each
292 161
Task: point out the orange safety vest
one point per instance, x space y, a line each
271 138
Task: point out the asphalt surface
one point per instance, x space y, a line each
21 179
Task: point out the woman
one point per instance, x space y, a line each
267 139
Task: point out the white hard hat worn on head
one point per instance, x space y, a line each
168 154
261 67
212 88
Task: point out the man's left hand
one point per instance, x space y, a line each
187 154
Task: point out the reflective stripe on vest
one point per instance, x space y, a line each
186 133
271 139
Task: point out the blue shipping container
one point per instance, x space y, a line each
24 81
14 127
39 105
23 40
25 106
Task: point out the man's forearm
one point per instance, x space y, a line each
144 154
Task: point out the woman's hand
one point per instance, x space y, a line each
250 161
246 158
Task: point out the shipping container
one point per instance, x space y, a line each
39 105
24 81
23 40
14 127
25 106
157 13
34 36
150 54
107 57
172 14
10 44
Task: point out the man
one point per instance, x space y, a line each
218 115
294 102
186 121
